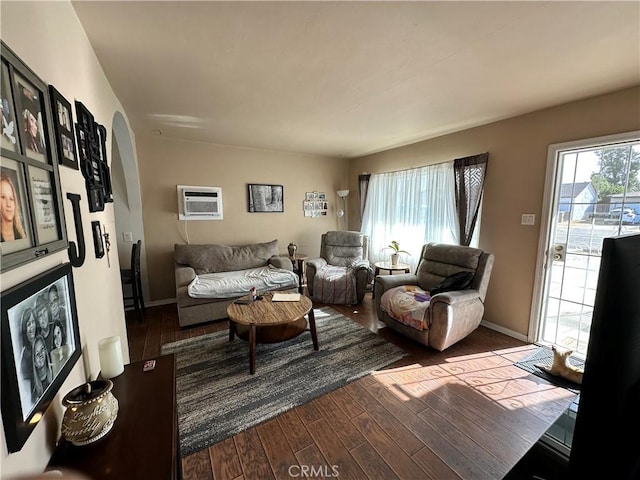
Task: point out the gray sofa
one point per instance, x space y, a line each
257 264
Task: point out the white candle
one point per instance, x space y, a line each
111 364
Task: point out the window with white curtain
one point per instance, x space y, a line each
413 207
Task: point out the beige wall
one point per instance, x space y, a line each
33 30
514 185
165 163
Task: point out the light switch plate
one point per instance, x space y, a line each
528 219
127 236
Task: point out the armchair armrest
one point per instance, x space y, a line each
313 266
281 262
456 296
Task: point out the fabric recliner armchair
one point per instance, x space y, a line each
412 305
342 272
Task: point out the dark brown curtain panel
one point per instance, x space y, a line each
363 187
469 175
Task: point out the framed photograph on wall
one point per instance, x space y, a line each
40 346
266 198
32 223
16 226
63 129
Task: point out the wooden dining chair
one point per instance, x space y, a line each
131 278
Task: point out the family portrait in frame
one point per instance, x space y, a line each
40 346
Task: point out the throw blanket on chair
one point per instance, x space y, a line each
407 304
335 285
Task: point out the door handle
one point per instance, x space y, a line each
558 251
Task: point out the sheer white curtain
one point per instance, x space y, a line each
414 207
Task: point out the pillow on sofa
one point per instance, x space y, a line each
456 281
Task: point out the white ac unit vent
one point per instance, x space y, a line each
199 203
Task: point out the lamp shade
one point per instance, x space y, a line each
342 193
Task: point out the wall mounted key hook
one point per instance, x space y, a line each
76 254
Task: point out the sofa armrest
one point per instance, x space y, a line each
281 262
184 275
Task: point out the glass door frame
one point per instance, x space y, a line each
549 214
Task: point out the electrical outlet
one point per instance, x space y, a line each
528 219
127 237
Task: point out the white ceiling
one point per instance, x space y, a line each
351 78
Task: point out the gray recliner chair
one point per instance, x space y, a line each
342 272
409 303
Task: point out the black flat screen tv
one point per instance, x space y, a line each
606 439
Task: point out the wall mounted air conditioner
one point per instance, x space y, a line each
199 203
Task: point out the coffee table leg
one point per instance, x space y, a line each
312 327
232 330
252 349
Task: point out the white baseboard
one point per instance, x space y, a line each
506 331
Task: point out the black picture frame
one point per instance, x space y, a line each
63 129
92 151
40 346
265 198
98 243
30 161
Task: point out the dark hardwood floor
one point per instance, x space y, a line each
388 425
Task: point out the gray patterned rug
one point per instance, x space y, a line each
217 397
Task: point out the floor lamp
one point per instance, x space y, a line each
343 211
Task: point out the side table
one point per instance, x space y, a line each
143 442
399 267
298 260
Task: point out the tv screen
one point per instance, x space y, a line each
606 440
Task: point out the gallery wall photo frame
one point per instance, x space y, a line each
63 129
91 138
265 198
29 167
40 345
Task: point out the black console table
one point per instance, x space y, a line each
143 442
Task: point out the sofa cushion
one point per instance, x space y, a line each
441 260
213 258
407 304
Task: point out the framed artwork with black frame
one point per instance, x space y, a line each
265 198
63 129
40 345
91 138
32 220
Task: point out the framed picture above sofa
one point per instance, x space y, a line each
265 198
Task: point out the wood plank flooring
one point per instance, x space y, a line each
466 413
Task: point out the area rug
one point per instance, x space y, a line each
544 356
218 398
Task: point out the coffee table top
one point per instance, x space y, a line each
266 312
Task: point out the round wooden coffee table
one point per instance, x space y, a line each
265 321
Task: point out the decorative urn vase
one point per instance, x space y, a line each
292 247
91 410
394 259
